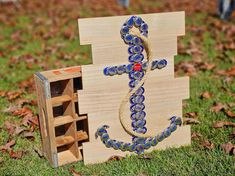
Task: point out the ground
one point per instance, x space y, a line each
42 35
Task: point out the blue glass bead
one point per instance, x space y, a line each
131 58
130 50
138 140
129 68
144 34
128 38
112 71
154 64
145 65
106 71
137 49
116 145
140 91
154 141
178 121
104 137
101 131
137 107
136 41
160 137
130 22
138 75
167 132
121 69
109 143
173 127
173 118
124 30
161 64
133 83
139 149
126 146
144 27
138 124
137 99
147 145
132 147
137 58
141 130
138 115
138 21
122 146
131 74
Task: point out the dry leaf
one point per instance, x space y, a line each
217 107
230 114
228 148
208 145
16 155
191 121
28 135
232 135
74 172
206 95
8 145
115 158
191 114
221 124
230 72
196 135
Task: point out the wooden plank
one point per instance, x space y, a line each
109 99
94 78
181 137
62 74
61 120
64 140
60 99
66 157
91 30
161 47
82 135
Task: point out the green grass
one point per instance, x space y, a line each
190 160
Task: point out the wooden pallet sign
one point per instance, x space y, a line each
125 114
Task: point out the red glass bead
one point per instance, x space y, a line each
137 67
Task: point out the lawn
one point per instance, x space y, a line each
43 35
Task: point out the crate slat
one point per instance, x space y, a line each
60 99
64 140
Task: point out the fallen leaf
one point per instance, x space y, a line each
191 121
115 158
221 124
196 135
208 145
218 107
228 148
206 95
11 109
16 155
10 127
191 114
28 135
8 145
74 172
207 66
230 72
18 130
230 114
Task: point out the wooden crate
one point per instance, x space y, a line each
63 129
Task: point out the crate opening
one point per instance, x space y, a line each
77 84
58 88
62 109
63 130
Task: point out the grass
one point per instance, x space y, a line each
190 160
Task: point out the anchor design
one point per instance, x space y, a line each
138 71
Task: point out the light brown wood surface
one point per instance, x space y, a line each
101 95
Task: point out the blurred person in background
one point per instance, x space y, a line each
225 8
